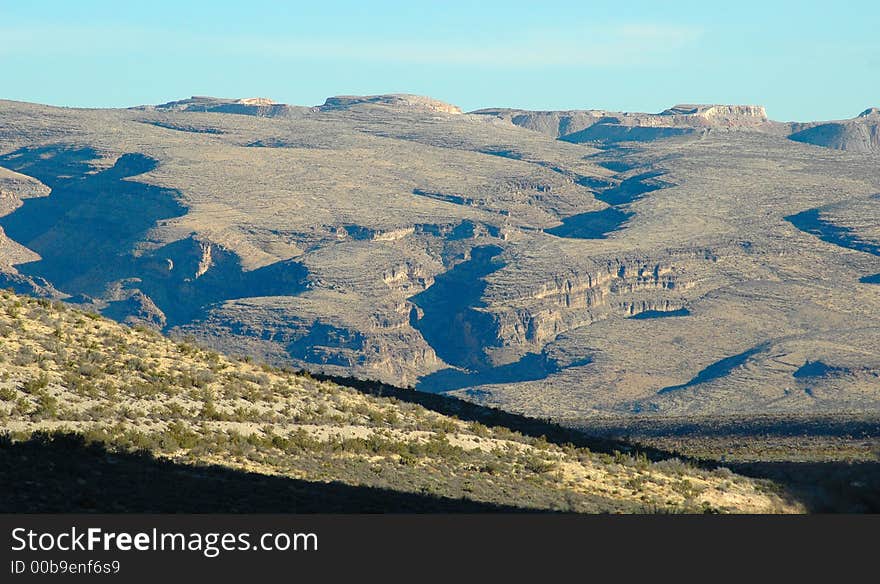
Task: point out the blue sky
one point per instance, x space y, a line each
803 60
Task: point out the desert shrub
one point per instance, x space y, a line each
36 384
685 488
538 465
24 356
137 364
78 384
243 414
181 435
47 406
21 407
87 369
209 411
492 467
14 309
144 389
444 425
636 483
301 441
723 473
673 466
187 348
392 419
479 429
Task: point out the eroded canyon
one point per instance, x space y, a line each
703 260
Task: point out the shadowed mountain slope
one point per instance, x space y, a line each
860 134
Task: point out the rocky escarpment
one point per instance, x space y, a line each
604 126
395 100
859 134
251 106
717 115
306 332
476 323
622 286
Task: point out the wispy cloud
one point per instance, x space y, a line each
627 44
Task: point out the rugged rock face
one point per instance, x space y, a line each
713 115
560 263
577 299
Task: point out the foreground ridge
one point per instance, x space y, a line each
72 378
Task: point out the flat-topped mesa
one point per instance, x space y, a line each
714 114
251 106
256 101
396 100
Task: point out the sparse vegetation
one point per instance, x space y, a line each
131 390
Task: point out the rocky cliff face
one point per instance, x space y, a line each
718 115
620 287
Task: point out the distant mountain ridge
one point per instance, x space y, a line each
860 134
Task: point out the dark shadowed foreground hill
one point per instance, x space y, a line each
111 406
